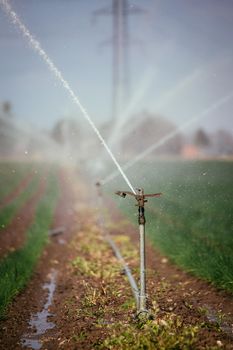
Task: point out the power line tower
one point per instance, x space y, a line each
120 11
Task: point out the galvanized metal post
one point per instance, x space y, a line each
141 220
141 200
142 290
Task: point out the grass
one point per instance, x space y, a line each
17 267
11 173
8 212
192 223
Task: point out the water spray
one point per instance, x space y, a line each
171 135
35 44
118 131
140 197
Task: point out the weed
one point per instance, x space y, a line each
167 333
128 304
99 301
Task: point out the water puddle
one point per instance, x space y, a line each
62 241
39 323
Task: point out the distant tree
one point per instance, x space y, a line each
201 139
6 109
147 129
57 132
7 130
223 142
66 131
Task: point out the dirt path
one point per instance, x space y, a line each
92 304
13 236
16 192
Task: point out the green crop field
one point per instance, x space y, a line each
7 212
17 267
192 223
11 173
10 176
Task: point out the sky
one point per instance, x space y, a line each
181 60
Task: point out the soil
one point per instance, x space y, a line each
176 290
80 325
13 236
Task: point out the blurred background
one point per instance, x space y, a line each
141 68
156 78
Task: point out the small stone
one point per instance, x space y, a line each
163 323
219 343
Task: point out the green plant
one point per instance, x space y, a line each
17 267
167 333
192 220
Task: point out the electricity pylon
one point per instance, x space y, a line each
120 11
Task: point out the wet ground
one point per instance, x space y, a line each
53 312
39 323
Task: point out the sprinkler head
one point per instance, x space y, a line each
140 196
121 194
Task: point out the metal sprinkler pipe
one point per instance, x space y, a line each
140 197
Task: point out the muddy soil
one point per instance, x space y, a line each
85 306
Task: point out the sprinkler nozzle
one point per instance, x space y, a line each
140 196
121 194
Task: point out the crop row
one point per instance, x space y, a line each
17 267
11 173
192 222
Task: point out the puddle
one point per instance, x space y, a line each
39 323
61 241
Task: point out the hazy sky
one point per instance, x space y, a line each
181 62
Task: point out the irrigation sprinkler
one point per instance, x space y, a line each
140 197
115 249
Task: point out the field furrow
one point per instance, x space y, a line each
14 235
17 191
17 267
11 174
